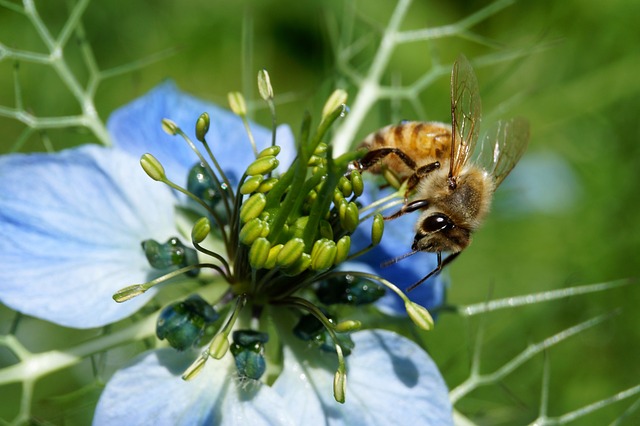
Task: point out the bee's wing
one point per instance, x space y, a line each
466 110
502 146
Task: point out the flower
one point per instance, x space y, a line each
74 222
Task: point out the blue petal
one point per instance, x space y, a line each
151 391
390 380
71 226
396 241
136 128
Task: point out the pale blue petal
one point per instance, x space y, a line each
151 392
396 241
390 380
136 128
71 226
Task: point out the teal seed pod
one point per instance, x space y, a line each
290 253
200 230
250 231
184 323
171 255
273 256
323 254
272 150
252 207
267 185
259 253
262 165
300 265
357 183
351 217
152 167
202 126
248 350
377 229
342 249
251 185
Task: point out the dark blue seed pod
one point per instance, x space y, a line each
247 349
172 254
308 327
349 290
184 323
203 185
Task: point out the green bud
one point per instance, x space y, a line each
348 326
326 231
377 229
345 186
311 198
338 198
419 315
314 161
290 253
320 149
301 265
237 104
323 254
337 98
340 386
202 126
273 150
342 249
219 346
252 207
169 127
351 217
200 230
250 231
356 182
259 253
298 227
264 85
152 167
251 185
267 185
129 292
262 165
273 256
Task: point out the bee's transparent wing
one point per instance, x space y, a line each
466 110
502 146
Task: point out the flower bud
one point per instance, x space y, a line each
345 186
357 183
351 217
169 127
377 229
259 253
152 167
237 104
348 326
419 315
251 185
252 207
337 98
267 185
273 256
200 230
326 231
323 254
250 231
290 252
264 85
342 249
262 165
301 265
202 126
273 150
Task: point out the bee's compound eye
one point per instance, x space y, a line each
435 223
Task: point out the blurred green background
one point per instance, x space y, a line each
578 85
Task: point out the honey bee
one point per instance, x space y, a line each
449 181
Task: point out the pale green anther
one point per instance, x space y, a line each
273 256
152 167
259 253
195 368
251 230
266 228
348 326
264 85
345 186
323 254
271 150
169 127
237 104
342 249
219 346
357 183
312 196
340 386
262 165
326 231
301 265
200 230
419 315
252 207
202 126
337 98
351 217
377 229
314 161
290 253
267 185
342 206
129 292
338 197
320 149
251 185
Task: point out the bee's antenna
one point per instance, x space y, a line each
397 259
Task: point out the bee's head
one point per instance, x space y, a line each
436 232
